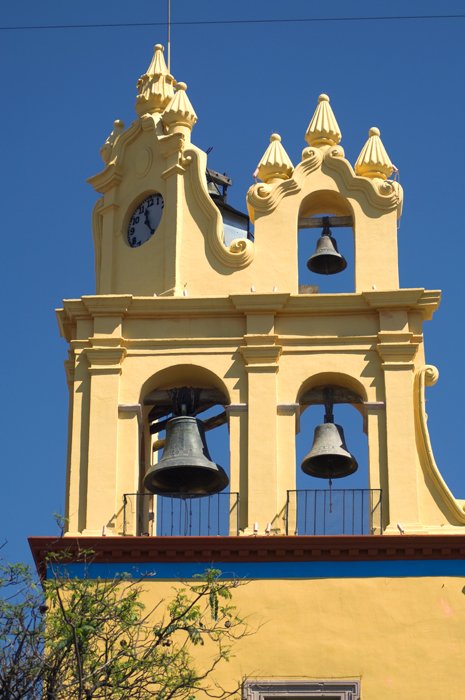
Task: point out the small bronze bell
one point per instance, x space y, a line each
326 260
185 468
329 457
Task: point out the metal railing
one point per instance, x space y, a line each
144 514
334 512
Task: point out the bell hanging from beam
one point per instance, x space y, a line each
329 457
326 260
186 468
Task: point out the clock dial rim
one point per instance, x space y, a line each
147 226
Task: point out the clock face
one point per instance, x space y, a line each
145 220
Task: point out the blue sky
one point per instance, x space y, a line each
62 89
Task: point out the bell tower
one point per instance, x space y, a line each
186 320
194 372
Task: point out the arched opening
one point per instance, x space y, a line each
326 244
184 475
333 494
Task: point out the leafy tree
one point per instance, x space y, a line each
91 638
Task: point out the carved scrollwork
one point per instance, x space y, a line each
238 245
335 152
431 374
240 252
427 376
388 198
311 153
108 150
185 161
265 198
260 190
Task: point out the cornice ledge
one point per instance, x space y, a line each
259 303
108 179
425 301
241 251
324 303
261 548
65 325
167 306
107 305
74 308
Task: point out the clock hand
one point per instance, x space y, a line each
147 222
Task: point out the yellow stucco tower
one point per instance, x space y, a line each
187 300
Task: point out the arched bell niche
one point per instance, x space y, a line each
326 242
196 393
335 499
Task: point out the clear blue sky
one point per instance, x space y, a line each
62 89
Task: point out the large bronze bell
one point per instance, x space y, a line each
186 468
326 260
329 457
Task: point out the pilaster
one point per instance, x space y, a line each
397 350
261 354
102 457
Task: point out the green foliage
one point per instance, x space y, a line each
91 638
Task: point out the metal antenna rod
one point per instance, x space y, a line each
169 36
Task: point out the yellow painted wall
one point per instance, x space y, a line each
402 637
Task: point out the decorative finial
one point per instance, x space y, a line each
155 88
323 129
373 160
179 116
275 165
107 148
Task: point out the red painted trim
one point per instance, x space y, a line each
256 549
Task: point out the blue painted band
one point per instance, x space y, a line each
274 570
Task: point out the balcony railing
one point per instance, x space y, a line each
144 514
334 512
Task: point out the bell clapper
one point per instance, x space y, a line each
330 496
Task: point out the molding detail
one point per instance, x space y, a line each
269 689
262 548
261 353
240 252
385 195
397 349
428 376
103 360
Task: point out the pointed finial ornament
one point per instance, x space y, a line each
323 129
373 160
179 116
156 87
275 165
